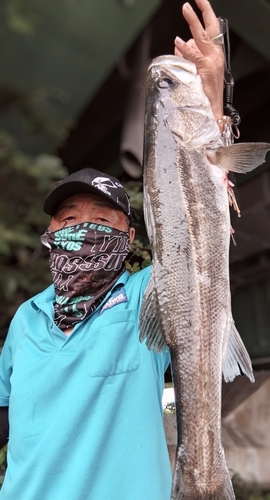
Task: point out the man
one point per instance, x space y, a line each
84 395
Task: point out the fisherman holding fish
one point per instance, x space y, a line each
83 394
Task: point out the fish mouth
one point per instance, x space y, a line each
174 62
178 67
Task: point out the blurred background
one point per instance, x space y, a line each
71 96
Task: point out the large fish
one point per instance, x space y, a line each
187 304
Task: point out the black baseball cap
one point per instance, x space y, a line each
88 180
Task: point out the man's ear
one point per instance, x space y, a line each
131 234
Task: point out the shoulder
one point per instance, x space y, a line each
135 286
27 315
141 276
35 303
139 280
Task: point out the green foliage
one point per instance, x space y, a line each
170 408
3 463
140 258
25 182
141 253
134 191
35 122
20 17
247 491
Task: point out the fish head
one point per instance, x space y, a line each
174 95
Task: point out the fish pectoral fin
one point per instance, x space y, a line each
236 357
240 158
149 323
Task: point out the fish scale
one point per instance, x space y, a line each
187 304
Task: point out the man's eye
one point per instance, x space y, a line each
70 217
102 219
68 220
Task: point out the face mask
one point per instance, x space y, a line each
85 261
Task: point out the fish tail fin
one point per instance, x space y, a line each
225 492
218 495
228 492
222 491
236 357
149 324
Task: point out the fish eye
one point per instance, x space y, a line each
165 83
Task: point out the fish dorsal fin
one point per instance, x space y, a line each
240 158
149 323
236 357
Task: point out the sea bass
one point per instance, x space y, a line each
187 304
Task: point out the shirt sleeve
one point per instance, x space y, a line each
5 371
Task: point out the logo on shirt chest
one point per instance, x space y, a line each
116 298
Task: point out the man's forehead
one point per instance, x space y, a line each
78 200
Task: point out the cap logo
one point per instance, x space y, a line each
104 184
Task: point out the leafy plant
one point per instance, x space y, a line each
247 491
25 182
3 463
170 408
20 17
140 258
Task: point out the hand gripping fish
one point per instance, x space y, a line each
187 304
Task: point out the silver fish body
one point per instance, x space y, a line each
187 305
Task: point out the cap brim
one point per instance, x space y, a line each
65 190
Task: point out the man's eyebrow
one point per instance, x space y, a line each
74 205
69 205
65 206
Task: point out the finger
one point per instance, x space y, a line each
177 52
179 46
199 34
189 50
209 18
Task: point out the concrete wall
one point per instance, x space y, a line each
245 437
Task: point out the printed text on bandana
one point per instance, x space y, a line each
85 262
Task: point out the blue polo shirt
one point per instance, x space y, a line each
85 410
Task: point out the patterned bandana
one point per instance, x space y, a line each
85 261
